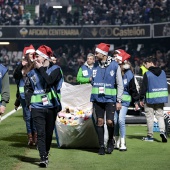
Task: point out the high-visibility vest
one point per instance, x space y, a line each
104 78
157 90
144 69
52 94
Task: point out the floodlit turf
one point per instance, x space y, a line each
10 105
140 155
15 155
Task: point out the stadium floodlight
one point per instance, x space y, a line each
57 6
4 43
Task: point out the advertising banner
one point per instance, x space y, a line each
161 30
117 32
43 32
75 32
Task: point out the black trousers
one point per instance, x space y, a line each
44 120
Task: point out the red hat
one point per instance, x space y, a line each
29 49
122 55
103 48
44 51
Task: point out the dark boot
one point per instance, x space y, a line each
47 155
101 150
30 140
35 138
110 146
110 143
43 161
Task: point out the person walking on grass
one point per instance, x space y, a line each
130 94
19 75
42 90
85 71
107 90
4 88
153 95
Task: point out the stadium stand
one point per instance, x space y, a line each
71 56
87 12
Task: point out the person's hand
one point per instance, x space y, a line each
16 107
137 107
2 109
142 103
29 108
24 62
118 106
38 65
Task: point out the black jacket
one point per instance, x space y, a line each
17 74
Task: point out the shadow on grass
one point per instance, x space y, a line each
20 116
54 145
93 150
16 140
34 161
140 138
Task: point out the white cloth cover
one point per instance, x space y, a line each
84 134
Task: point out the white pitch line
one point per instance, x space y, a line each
8 114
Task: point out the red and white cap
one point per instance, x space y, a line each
122 55
28 50
45 52
103 48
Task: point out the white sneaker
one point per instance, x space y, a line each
123 148
122 145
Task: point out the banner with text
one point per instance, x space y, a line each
75 32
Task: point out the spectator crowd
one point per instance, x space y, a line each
121 12
87 12
71 56
12 12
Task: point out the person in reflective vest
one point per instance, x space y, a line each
4 88
42 90
19 75
143 69
106 95
130 94
85 71
153 95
